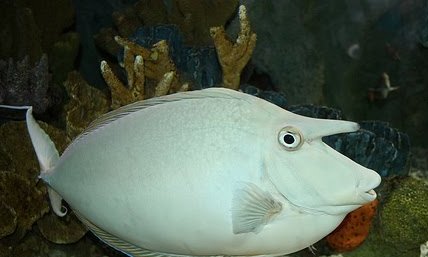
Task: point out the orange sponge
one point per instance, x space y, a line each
354 228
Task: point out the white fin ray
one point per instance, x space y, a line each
252 209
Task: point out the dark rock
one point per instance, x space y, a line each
26 200
22 36
286 49
61 230
268 95
22 83
200 64
8 220
399 140
375 146
314 111
193 17
197 64
91 16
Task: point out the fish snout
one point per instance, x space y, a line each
368 182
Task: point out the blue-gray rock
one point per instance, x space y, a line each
376 145
316 111
400 141
91 16
201 65
148 36
268 95
196 64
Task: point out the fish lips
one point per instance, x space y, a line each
366 191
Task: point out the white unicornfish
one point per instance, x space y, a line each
205 173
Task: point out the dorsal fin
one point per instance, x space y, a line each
140 105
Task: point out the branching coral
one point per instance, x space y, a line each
234 56
193 17
140 63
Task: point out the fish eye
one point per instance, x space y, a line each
290 138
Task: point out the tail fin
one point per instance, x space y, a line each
46 154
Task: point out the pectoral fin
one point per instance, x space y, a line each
252 208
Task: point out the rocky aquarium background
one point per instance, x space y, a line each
361 60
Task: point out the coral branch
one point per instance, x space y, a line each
120 95
140 63
134 48
234 56
164 84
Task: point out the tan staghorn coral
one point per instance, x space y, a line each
139 63
234 56
193 18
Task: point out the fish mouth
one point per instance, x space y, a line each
369 195
367 192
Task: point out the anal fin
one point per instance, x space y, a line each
121 245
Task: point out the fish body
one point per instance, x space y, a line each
204 173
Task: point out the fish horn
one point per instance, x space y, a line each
46 154
318 128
